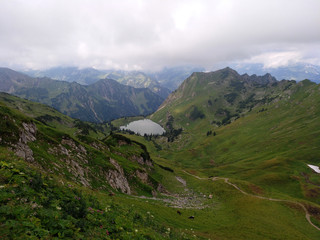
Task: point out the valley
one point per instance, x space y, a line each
101 101
232 164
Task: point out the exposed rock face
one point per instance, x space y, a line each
142 161
27 134
76 169
72 144
161 189
75 159
143 176
117 179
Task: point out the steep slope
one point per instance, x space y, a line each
78 156
250 128
44 193
102 101
60 185
218 97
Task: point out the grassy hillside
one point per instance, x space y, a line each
260 132
268 139
247 179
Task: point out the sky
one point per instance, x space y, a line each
152 34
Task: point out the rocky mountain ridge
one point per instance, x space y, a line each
99 102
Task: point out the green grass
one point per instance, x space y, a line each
263 152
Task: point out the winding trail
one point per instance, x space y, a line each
226 180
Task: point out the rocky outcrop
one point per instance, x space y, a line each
79 171
142 161
117 179
143 176
71 143
27 134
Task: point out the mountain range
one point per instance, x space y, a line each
233 164
297 71
101 101
89 76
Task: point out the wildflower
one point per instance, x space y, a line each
58 208
101 226
107 232
136 230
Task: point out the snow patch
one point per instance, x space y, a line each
315 168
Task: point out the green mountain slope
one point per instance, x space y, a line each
60 186
72 149
247 127
102 101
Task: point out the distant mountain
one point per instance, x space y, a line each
102 101
83 76
173 77
88 76
139 80
298 72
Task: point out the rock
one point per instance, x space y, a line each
27 134
73 145
161 189
117 179
24 151
154 193
182 181
143 176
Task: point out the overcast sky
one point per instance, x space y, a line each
150 34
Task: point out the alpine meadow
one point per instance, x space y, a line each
160 120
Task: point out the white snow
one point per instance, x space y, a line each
315 168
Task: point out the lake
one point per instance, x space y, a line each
145 126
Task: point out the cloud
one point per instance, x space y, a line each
150 34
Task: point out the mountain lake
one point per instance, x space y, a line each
144 126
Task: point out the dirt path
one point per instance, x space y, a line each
226 180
